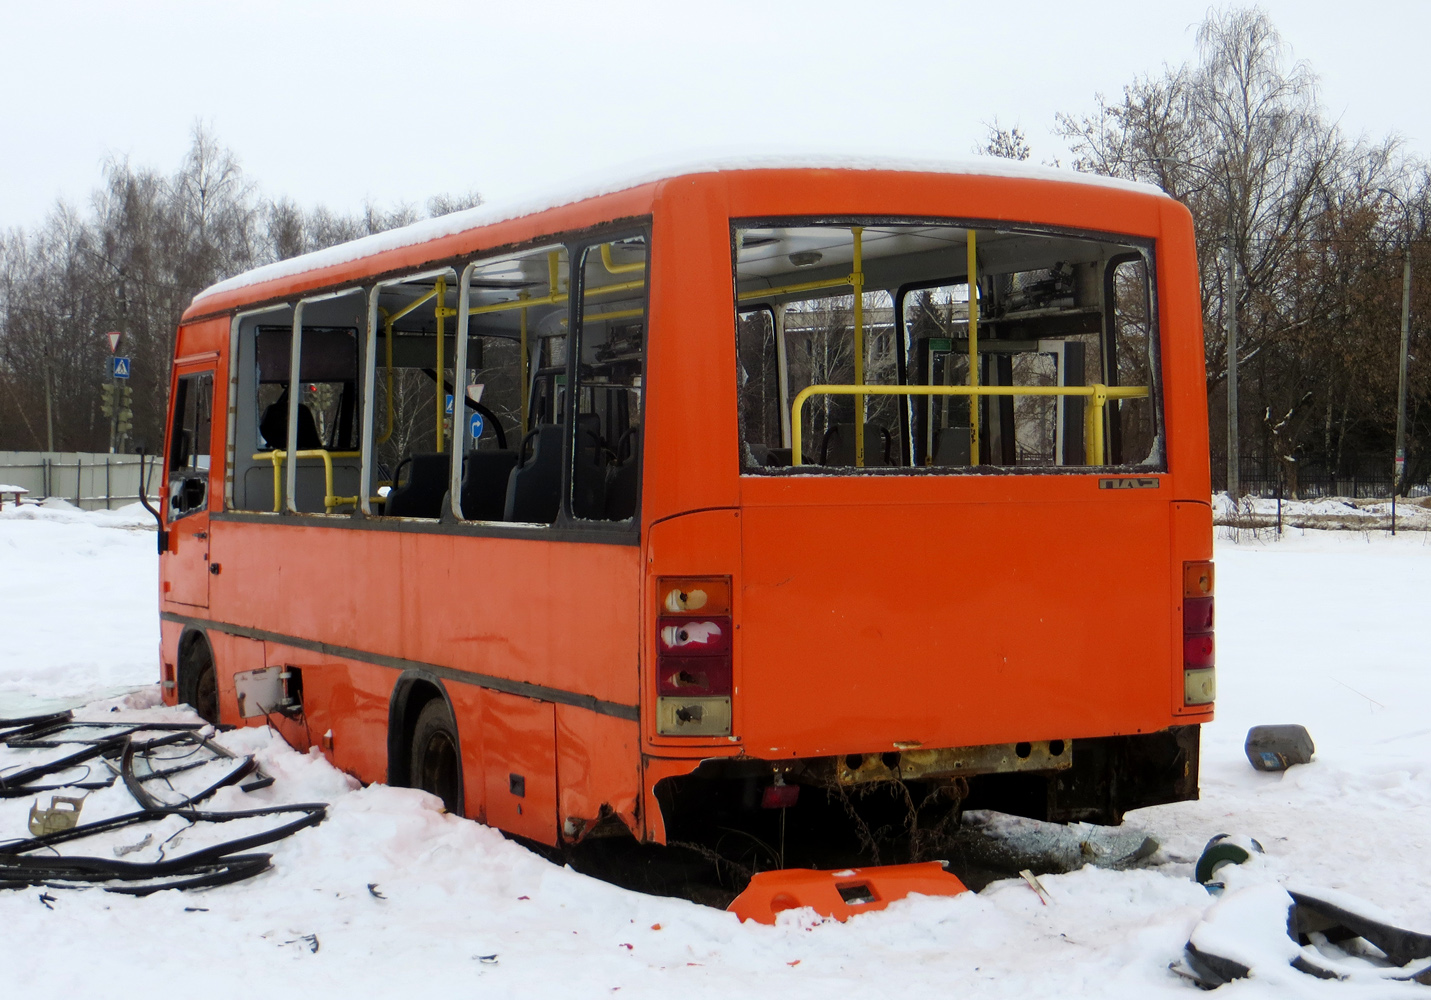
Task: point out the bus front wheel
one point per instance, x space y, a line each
198 681
436 764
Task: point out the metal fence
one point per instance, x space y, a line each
1260 478
91 481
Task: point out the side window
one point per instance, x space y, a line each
514 374
606 460
189 444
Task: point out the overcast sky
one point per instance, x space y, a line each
342 102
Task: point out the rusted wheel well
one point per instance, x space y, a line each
413 691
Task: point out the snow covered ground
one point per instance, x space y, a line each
1324 628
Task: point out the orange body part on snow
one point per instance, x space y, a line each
840 894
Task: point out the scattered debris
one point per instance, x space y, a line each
1036 886
1221 851
1324 934
168 768
62 814
1276 748
1009 844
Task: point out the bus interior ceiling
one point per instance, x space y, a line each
1054 310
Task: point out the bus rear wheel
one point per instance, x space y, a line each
436 764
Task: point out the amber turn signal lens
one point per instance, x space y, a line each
708 595
1197 579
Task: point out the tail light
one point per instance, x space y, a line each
693 656
1199 670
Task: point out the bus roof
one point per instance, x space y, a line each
624 180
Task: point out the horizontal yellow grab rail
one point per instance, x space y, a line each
555 298
279 455
1097 396
804 286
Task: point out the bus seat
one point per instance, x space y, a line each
274 425
623 480
421 495
838 448
484 484
951 446
590 471
534 486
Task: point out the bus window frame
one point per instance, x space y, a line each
231 420
369 362
1141 247
577 251
295 357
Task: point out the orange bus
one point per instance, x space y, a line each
781 511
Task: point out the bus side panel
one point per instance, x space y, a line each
519 761
169 633
344 697
234 654
1183 363
597 768
467 701
559 614
691 445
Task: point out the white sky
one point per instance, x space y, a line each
338 102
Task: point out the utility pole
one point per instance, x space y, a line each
1398 465
1398 462
1233 479
49 408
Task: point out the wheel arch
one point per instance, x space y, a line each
414 689
193 644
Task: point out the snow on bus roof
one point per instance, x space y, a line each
635 175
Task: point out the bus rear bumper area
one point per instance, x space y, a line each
904 806
840 894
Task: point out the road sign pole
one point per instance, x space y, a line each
113 413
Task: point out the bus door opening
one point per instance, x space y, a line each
186 570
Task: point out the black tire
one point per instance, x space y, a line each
201 682
436 760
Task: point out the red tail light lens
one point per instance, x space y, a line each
1197 615
708 636
1197 652
693 677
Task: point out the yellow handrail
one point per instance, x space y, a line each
279 455
614 268
1097 396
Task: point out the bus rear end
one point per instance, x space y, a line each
965 558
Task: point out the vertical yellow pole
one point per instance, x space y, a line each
973 350
441 390
857 279
525 387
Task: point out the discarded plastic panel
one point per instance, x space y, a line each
840 894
